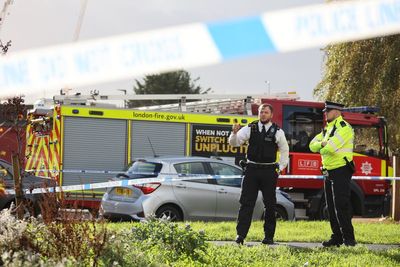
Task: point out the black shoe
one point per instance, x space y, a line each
350 243
268 241
239 240
331 243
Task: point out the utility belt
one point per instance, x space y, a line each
258 165
349 164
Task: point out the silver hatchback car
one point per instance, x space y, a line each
199 199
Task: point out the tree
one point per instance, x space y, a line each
366 73
14 112
177 82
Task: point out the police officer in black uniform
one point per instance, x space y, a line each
261 171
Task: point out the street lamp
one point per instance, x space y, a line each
268 87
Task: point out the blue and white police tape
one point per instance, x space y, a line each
196 44
172 177
125 182
366 177
74 171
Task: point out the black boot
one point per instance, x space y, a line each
239 240
332 242
268 241
350 242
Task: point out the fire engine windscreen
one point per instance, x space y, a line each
300 125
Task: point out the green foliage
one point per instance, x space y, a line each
17 243
83 241
151 244
120 251
28 258
177 82
300 231
163 243
304 231
154 243
11 231
366 73
174 239
286 256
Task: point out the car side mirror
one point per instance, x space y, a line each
119 175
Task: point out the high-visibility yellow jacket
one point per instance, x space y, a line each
339 136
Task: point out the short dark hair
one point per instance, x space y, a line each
265 105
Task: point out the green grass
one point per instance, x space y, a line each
300 231
304 231
284 256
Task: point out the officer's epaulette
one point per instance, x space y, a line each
251 124
276 126
254 125
343 123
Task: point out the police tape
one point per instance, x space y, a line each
197 44
127 173
75 171
169 177
33 171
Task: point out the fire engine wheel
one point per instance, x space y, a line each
169 212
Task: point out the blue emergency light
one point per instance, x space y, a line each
363 109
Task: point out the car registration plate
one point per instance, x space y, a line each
126 192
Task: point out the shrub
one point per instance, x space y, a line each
175 241
84 241
12 232
60 236
28 258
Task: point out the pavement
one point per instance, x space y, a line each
372 220
304 245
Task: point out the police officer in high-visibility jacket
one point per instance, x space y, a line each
335 144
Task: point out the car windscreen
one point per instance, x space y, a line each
144 169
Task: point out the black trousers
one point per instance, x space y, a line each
258 179
337 195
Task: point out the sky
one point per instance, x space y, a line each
37 23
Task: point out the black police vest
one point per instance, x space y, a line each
262 146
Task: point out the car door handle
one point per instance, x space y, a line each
222 191
181 185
